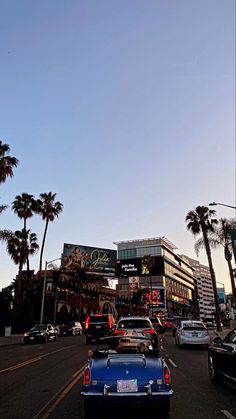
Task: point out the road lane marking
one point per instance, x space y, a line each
227 414
172 362
162 348
32 360
51 405
22 364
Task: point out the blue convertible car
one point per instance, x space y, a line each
126 370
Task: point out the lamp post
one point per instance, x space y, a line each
224 205
44 286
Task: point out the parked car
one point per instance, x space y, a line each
222 359
41 333
97 326
127 326
191 332
168 323
126 370
69 329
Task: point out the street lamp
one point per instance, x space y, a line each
44 286
224 205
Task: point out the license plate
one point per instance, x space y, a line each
127 386
31 338
98 327
195 334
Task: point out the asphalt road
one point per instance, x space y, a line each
42 381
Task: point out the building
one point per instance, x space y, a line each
165 279
205 289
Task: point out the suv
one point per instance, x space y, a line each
97 326
136 325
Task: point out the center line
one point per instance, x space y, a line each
174 365
227 414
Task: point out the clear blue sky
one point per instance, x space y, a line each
125 109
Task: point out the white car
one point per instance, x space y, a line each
192 332
77 328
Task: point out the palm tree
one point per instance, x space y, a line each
21 245
24 206
6 162
221 237
201 220
48 209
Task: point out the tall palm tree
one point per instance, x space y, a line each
20 246
7 163
49 210
24 206
201 220
221 237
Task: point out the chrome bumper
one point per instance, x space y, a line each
138 394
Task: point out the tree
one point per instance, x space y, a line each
21 245
7 163
24 206
48 209
221 237
201 220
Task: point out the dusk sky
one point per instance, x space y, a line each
126 110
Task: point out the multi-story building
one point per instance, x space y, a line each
205 289
165 278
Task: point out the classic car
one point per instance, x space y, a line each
126 370
222 359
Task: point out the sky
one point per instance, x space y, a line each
126 110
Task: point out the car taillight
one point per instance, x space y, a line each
119 332
109 322
149 331
86 324
86 376
167 378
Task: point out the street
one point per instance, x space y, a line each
44 381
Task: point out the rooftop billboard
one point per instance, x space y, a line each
94 260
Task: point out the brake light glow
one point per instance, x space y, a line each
149 331
87 376
119 332
86 324
167 378
98 315
110 322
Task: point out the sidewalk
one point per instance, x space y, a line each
11 340
213 332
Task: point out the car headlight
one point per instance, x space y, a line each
42 333
26 334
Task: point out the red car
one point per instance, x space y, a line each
169 323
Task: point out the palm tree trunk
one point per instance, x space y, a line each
42 247
213 278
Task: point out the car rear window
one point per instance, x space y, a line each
193 326
98 319
134 324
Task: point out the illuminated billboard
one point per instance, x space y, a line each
138 267
154 297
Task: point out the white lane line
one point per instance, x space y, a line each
162 348
227 414
172 362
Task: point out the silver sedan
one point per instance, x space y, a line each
192 332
